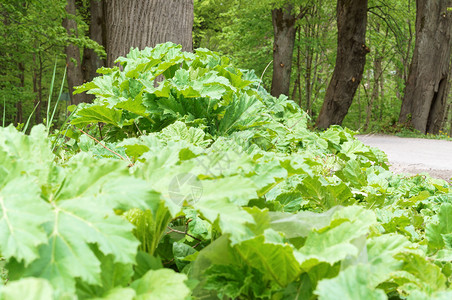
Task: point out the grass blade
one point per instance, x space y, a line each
58 100
61 128
50 95
4 111
29 117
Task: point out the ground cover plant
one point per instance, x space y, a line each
185 179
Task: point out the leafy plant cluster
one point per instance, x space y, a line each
185 179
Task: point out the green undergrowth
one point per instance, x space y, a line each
203 186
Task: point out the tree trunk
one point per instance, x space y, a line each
309 55
350 61
145 23
19 113
284 29
37 88
91 61
428 81
74 69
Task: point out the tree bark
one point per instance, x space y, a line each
284 29
145 23
428 84
74 69
91 61
350 61
19 113
37 88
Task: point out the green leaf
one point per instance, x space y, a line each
22 215
21 154
132 105
241 113
418 295
217 201
353 173
180 251
95 114
146 262
118 293
436 233
27 289
335 242
150 225
79 220
323 193
163 284
417 273
178 131
300 224
67 255
276 260
236 281
113 276
232 218
353 283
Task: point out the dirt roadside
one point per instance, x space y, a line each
414 155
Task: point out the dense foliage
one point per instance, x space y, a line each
185 179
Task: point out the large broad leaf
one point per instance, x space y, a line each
232 218
113 276
380 254
216 201
21 154
418 295
353 173
118 293
353 283
300 224
178 131
335 242
436 233
243 112
27 288
150 225
272 257
80 217
223 272
94 114
163 284
108 181
417 273
324 194
76 224
22 214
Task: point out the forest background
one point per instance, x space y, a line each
39 38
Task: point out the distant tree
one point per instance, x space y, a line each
145 23
425 99
350 61
284 21
73 59
92 60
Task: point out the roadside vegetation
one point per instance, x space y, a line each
205 185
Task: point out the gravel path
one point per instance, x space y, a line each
414 155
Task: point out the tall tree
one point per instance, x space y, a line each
428 82
284 21
145 23
73 61
350 61
91 60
